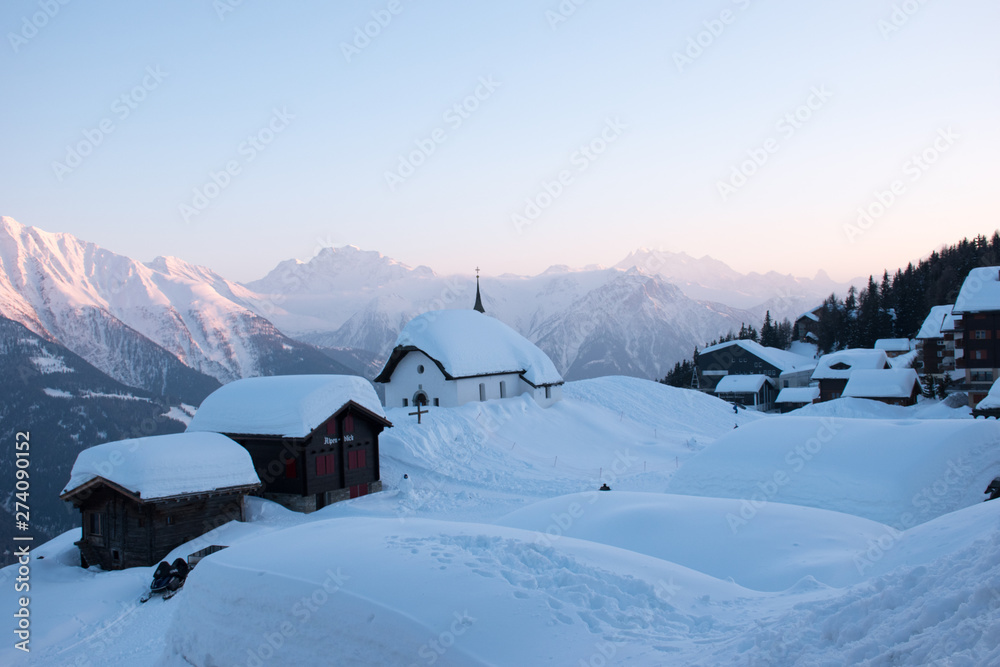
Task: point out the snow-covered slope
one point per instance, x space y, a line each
132 320
499 549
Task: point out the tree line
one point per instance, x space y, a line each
893 307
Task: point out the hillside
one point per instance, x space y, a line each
498 549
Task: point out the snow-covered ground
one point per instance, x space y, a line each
499 549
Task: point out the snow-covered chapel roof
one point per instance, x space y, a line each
163 466
290 406
466 343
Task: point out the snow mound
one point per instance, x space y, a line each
899 473
770 548
944 613
863 408
162 466
376 591
467 343
291 406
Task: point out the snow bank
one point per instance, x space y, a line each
468 343
954 407
283 405
782 545
899 473
161 466
377 591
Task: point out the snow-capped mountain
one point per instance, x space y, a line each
146 325
709 279
591 322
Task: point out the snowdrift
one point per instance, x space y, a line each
900 473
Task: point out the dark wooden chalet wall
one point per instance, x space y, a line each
736 361
136 534
341 454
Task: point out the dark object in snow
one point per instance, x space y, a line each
405 476
736 408
167 579
993 489
195 558
605 487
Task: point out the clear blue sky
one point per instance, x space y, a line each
673 129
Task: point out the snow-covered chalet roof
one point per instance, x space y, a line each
939 320
467 343
893 344
163 466
745 384
992 399
887 383
829 366
980 292
797 395
290 406
781 359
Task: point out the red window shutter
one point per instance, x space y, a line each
290 471
321 465
352 460
331 464
331 427
361 458
349 424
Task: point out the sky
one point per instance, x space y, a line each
847 135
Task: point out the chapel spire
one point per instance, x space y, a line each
479 299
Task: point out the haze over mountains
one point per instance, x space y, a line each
173 328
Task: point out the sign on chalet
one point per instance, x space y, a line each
313 438
141 498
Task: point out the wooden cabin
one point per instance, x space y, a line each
893 386
835 369
793 398
755 392
313 438
140 499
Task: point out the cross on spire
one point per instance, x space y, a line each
479 299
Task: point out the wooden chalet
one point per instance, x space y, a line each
936 341
977 331
806 327
793 398
313 438
755 392
835 369
140 499
745 357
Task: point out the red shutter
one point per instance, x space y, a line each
352 460
331 427
321 465
331 464
349 424
290 471
361 458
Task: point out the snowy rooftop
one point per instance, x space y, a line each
468 343
781 359
811 314
840 365
797 395
992 399
939 320
283 405
887 383
980 292
741 384
162 466
893 344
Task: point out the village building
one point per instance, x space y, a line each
806 326
977 331
835 369
755 392
139 499
793 398
313 438
893 386
936 341
990 405
746 357
894 347
448 358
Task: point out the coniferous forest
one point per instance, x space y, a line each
893 306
